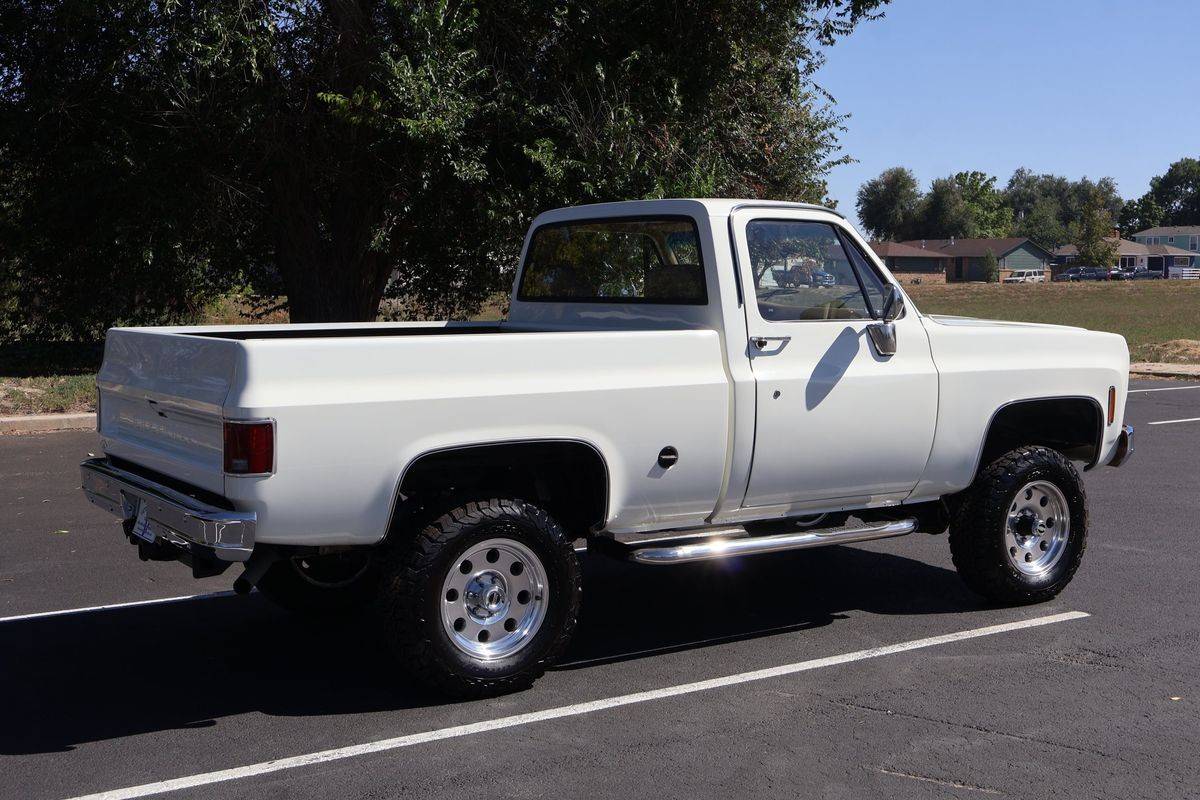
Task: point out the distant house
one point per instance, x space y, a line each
1185 237
905 260
967 257
1159 257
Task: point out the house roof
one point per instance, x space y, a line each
1171 230
900 250
975 248
1128 248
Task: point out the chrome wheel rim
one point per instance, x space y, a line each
1038 528
494 599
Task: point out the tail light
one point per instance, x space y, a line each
249 447
1112 404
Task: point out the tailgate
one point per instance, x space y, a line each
161 395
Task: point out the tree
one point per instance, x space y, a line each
338 150
1042 224
1138 215
1177 193
944 212
991 267
987 213
888 204
1093 234
1045 207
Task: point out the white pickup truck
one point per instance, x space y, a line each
676 380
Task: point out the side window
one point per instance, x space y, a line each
615 261
802 271
871 282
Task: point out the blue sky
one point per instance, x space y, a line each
1072 87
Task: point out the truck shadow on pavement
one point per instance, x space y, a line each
96 676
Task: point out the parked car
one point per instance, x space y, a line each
822 278
1080 274
1026 276
1119 274
652 392
1144 274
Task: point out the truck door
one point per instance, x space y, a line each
836 419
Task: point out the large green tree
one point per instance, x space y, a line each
1045 206
1138 215
1092 234
337 150
888 204
1173 199
989 216
944 212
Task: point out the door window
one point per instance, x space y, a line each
803 271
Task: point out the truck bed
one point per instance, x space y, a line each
355 404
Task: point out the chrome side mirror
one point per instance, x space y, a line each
883 330
893 303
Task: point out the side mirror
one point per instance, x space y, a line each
893 303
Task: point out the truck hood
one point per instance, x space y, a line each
973 322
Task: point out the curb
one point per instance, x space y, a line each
31 423
1165 370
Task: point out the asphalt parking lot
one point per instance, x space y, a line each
797 700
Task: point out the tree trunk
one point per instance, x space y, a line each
326 192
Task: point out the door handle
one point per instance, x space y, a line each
761 341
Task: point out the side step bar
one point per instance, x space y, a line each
721 547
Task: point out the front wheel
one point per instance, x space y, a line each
483 599
1019 534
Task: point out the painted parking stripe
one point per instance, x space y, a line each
1164 389
1173 421
87 609
458 731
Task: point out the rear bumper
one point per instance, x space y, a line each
174 517
1124 449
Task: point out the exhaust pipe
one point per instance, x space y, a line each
723 547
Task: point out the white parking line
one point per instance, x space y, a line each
457 731
110 606
1163 389
1173 421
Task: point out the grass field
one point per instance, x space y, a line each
1161 320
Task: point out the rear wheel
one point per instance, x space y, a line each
1019 534
483 599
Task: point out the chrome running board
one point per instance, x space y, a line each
725 547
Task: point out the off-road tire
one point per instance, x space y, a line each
285 584
411 596
977 528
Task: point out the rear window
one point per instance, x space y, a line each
644 260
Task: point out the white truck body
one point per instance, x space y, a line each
815 421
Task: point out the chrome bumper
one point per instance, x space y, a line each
173 516
1124 449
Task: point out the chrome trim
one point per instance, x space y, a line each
1124 449
754 545
173 516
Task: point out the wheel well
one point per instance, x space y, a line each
569 479
1071 425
